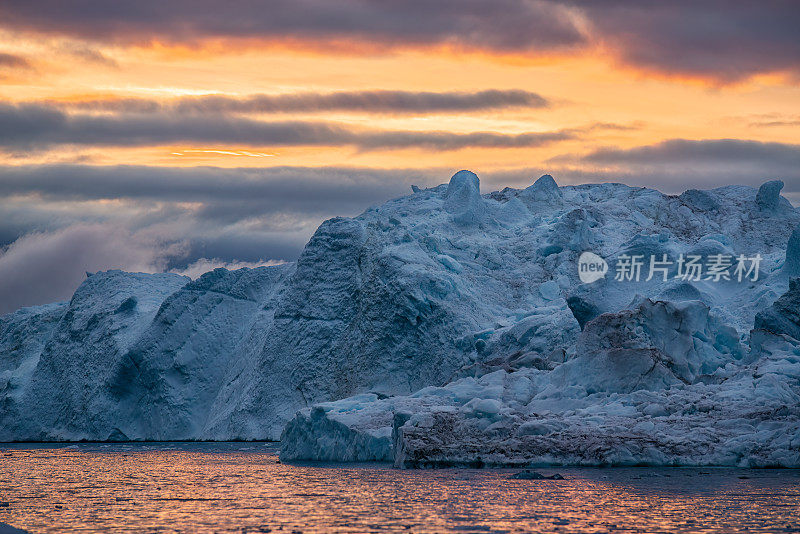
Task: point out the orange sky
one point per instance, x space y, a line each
583 89
189 134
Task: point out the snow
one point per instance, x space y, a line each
446 327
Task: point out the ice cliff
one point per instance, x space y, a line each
446 327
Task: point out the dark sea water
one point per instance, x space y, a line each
241 487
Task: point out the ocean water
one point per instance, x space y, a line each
241 487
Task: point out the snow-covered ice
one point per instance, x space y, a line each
663 373
70 393
446 327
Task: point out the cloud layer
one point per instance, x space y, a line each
37 127
359 101
502 24
307 190
47 267
725 40
715 151
13 60
675 165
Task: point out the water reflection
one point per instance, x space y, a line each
241 487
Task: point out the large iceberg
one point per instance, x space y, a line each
446 327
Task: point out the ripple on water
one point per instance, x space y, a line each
242 488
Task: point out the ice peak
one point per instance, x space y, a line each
781 317
545 182
544 189
461 183
463 197
769 195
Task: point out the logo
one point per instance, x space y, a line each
687 267
591 267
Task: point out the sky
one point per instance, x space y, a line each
185 135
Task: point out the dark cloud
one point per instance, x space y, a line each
245 246
498 25
678 164
298 189
678 151
451 141
14 61
775 123
362 101
90 55
725 40
31 126
264 201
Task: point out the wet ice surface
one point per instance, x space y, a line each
240 487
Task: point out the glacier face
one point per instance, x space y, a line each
444 327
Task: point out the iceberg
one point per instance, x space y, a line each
447 327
